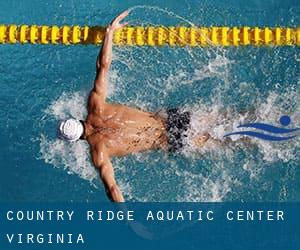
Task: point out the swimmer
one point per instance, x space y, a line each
114 130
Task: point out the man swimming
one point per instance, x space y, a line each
117 130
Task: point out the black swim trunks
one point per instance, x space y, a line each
177 125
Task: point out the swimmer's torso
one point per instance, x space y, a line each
124 130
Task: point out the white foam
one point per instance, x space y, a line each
72 157
271 110
174 182
211 188
214 118
217 121
68 105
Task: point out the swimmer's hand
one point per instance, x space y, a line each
105 57
115 24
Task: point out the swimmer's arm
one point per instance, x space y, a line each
105 56
103 164
102 65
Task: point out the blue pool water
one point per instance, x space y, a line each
42 84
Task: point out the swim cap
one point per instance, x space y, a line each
70 129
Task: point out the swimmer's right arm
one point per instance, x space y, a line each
103 164
105 56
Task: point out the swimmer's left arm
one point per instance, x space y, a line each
105 56
103 164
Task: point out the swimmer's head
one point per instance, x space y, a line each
70 130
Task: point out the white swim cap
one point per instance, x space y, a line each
70 130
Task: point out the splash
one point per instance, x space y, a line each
218 120
73 158
218 88
192 185
68 105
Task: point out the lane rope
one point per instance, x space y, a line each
152 35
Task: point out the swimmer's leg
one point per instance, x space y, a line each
200 140
203 138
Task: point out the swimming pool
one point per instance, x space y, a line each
42 84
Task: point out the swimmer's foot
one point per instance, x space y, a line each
200 140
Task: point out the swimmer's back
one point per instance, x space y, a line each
126 130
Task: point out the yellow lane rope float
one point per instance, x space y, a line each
152 36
